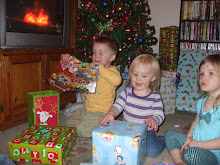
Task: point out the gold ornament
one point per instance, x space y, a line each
107 26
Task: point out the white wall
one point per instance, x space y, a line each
163 13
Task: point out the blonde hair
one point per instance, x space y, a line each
214 60
146 59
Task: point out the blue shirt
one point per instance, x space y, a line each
207 127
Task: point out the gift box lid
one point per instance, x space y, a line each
49 136
121 128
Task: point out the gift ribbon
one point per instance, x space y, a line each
43 132
177 80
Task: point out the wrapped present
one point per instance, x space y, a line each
42 144
168 47
162 47
168 91
74 75
187 90
43 108
119 143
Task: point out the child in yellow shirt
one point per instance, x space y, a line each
97 105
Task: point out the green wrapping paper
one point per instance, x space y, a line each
42 144
168 47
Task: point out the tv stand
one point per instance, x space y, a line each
22 71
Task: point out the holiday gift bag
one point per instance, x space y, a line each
43 108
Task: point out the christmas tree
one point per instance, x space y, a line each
125 20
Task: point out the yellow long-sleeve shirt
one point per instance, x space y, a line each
108 80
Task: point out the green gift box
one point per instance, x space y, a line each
43 108
42 144
168 47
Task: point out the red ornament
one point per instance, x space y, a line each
142 22
84 53
154 40
80 26
126 18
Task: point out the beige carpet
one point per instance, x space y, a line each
81 151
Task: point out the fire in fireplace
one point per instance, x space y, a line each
34 23
40 19
36 16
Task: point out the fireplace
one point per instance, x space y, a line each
34 23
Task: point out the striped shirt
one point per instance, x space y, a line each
137 109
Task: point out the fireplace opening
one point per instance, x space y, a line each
35 16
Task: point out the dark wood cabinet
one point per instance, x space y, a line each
23 71
29 70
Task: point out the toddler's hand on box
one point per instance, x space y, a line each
93 65
152 123
108 117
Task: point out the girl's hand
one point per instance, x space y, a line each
108 117
186 144
193 143
152 123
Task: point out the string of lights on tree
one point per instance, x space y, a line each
125 20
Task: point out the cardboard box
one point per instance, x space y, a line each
74 75
43 108
121 142
42 144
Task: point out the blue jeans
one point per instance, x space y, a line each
4 160
191 156
155 145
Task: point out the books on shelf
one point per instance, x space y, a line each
193 10
206 46
203 31
200 24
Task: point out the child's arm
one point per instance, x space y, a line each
112 75
213 144
189 134
116 109
157 110
110 116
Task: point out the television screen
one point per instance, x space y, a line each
38 16
34 23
